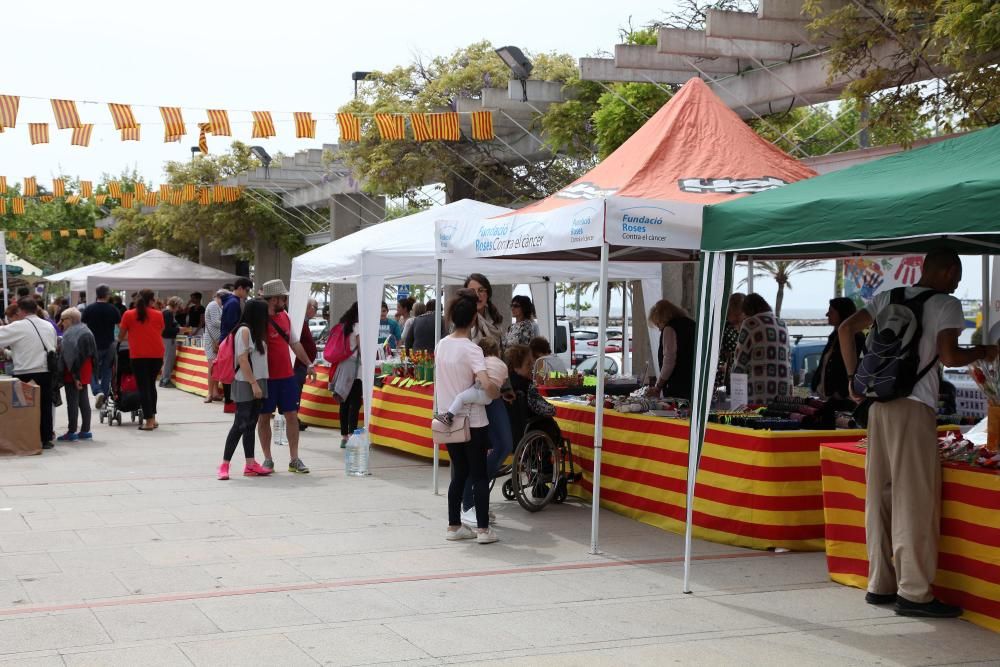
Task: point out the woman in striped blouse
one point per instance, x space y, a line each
213 324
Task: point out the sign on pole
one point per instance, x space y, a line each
402 292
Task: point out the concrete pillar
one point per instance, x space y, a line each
679 287
207 256
270 262
640 331
348 214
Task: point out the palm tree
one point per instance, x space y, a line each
782 272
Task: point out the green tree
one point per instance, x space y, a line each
782 272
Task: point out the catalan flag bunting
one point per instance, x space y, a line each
123 116
151 199
100 199
30 186
140 190
391 127
418 122
482 126
46 235
263 126
165 192
130 133
3 207
8 110
115 190
305 126
98 233
45 199
64 233
86 189
38 133
173 123
65 113
204 196
3 185
73 199
350 127
218 193
202 139
127 199
58 187
81 135
189 193
219 121
232 193
444 126
176 198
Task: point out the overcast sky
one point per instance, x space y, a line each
253 55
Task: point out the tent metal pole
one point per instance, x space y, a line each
986 309
3 266
438 306
602 341
749 275
626 347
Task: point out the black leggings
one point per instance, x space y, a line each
468 461
244 425
349 409
145 377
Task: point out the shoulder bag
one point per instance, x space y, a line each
457 432
51 356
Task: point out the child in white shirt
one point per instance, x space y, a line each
496 370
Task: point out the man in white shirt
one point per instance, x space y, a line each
902 468
30 339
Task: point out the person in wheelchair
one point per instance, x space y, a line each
528 409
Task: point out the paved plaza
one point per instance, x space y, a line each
127 551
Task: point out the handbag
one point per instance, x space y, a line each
456 432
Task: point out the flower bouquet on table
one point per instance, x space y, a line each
987 376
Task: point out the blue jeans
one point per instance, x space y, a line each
501 444
100 380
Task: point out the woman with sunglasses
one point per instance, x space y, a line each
524 327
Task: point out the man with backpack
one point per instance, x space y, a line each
913 330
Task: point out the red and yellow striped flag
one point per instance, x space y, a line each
140 190
64 233
122 115
131 133
233 193
218 193
176 198
151 199
8 110
127 199
444 126
82 233
3 185
100 199
219 121
17 205
202 139
263 126
38 133
3 207
391 127
98 233
350 127
86 189
482 126
45 199
173 123
189 192
58 187
81 135
165 192
305 126
115 189
65 113
418 122
204 196
73 199
46 235
30 186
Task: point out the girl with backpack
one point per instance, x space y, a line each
343 354
245 350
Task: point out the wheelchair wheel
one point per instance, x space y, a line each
508 489
537 468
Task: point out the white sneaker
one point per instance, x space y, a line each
469 518
487 536
463 533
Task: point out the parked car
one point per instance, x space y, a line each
806 354
317 327
612 365
611 345
564 344
580 335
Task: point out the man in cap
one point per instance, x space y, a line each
283 390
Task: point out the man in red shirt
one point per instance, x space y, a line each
283 390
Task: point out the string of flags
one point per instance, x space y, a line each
95 233
444 126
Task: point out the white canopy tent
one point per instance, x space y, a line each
77 278
159 271
403 251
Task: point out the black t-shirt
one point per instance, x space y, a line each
101 318
195 314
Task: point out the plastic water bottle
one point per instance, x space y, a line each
280 434
356 454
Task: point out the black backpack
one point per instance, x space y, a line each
890 367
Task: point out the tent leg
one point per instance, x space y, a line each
749 275
602 342
987 275
437 336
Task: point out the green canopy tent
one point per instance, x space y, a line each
946 193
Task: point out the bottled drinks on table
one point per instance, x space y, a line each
356 454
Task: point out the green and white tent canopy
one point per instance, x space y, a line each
944 193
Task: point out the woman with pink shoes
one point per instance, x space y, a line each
249 386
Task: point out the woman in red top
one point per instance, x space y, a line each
142 327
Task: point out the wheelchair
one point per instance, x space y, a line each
540 470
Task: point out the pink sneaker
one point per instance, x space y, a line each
224 470
254 469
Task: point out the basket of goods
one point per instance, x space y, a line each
560 384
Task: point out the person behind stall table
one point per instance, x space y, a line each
232 311
405 314
77 357
524 327
101 317
30 338
902 466
763 352
676 352
309 345
195 314
830 381
283 390
351 405
488 318
388 329
142 327
459 364
420 337
171 329
730 338
545 363
212 338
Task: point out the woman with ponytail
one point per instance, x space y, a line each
142 328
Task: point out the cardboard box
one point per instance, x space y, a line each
20 413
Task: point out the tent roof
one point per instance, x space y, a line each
80 271
159 271
948 192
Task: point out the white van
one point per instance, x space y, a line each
563 343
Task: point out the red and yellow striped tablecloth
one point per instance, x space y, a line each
191 370
969 549
401 417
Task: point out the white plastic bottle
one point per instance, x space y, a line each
356 454
279 430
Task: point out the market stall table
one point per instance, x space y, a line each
969 548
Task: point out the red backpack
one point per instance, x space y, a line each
338 348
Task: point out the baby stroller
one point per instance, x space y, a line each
124 390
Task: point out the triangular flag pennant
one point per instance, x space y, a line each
131 133
66 115
418 122
38 133
58 187
81 135
86 189
219 121
444 126
202 139
305 126
263 126
8 110
30 186
123 116
350 127
391 127
482 126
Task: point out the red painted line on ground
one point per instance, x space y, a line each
321 585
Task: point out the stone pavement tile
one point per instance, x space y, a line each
163 500
555 626
166 554
18 565
137 517
256 612
279 505
12 594
95 503
254 573
207 512
355 645
672 616
72 587
140 622
459 595
117 535
25 505
160 655
13 522
160 580
756 573
345 521
194 530
260 547
268 526
39 541
346 566
262 651
99 559
53 660
43 491
468 635
63 520
51 631
796 607
352 604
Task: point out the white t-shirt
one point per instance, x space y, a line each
258 361
941 311
456 362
